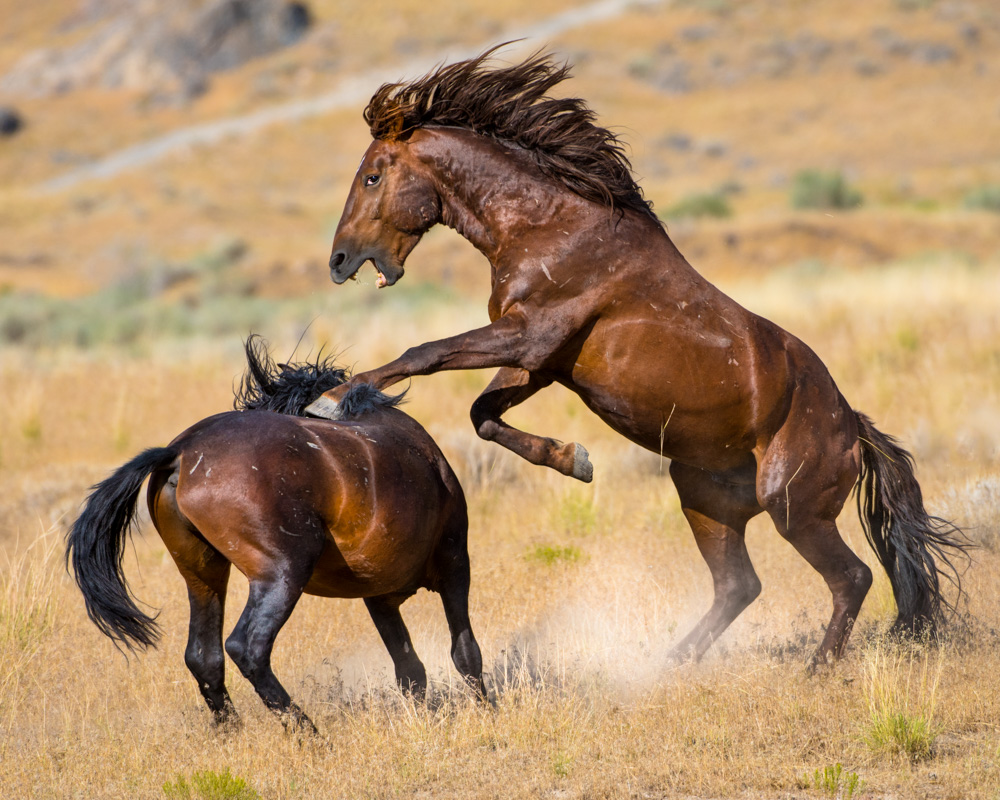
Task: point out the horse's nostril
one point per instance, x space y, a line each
337 259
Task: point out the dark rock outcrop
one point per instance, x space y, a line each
162 46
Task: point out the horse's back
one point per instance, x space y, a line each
366 499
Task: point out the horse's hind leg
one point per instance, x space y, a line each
718 512
204 655
206 573
452 559
509 387
268 607
410 673
803 493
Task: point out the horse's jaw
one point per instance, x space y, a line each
344 268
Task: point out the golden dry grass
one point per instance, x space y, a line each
587 705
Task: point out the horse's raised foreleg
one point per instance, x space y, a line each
718 511
525 338
410 673
268 607
509 387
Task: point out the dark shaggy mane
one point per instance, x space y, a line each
510 104
289 388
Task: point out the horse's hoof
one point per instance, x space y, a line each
295 720
679 656
227 722
324 407
583 470
820 661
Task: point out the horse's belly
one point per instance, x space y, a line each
682 393
385 562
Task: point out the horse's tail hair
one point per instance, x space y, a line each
95 546
917 550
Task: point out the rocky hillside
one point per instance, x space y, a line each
150 135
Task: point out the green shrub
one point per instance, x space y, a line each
911 735
984 198
576 514
210 785
815 189
549 555
710 204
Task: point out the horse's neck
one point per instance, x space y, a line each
488 193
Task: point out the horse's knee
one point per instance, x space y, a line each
484 420
739 592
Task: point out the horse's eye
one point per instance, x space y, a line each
371 180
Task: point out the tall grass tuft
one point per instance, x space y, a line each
833 782
900 686
27 596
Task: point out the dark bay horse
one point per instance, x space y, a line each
589 291
363 507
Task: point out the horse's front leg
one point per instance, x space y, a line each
509 387
509 342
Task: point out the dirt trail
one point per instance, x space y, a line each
354 90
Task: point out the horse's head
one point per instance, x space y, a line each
392 203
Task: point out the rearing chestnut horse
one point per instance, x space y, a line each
589 291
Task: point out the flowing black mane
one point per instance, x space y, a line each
289 388
510 104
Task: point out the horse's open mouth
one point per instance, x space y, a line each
387 275
344 267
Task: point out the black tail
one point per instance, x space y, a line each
95 545
916 549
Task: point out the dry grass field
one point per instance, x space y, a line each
123 303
